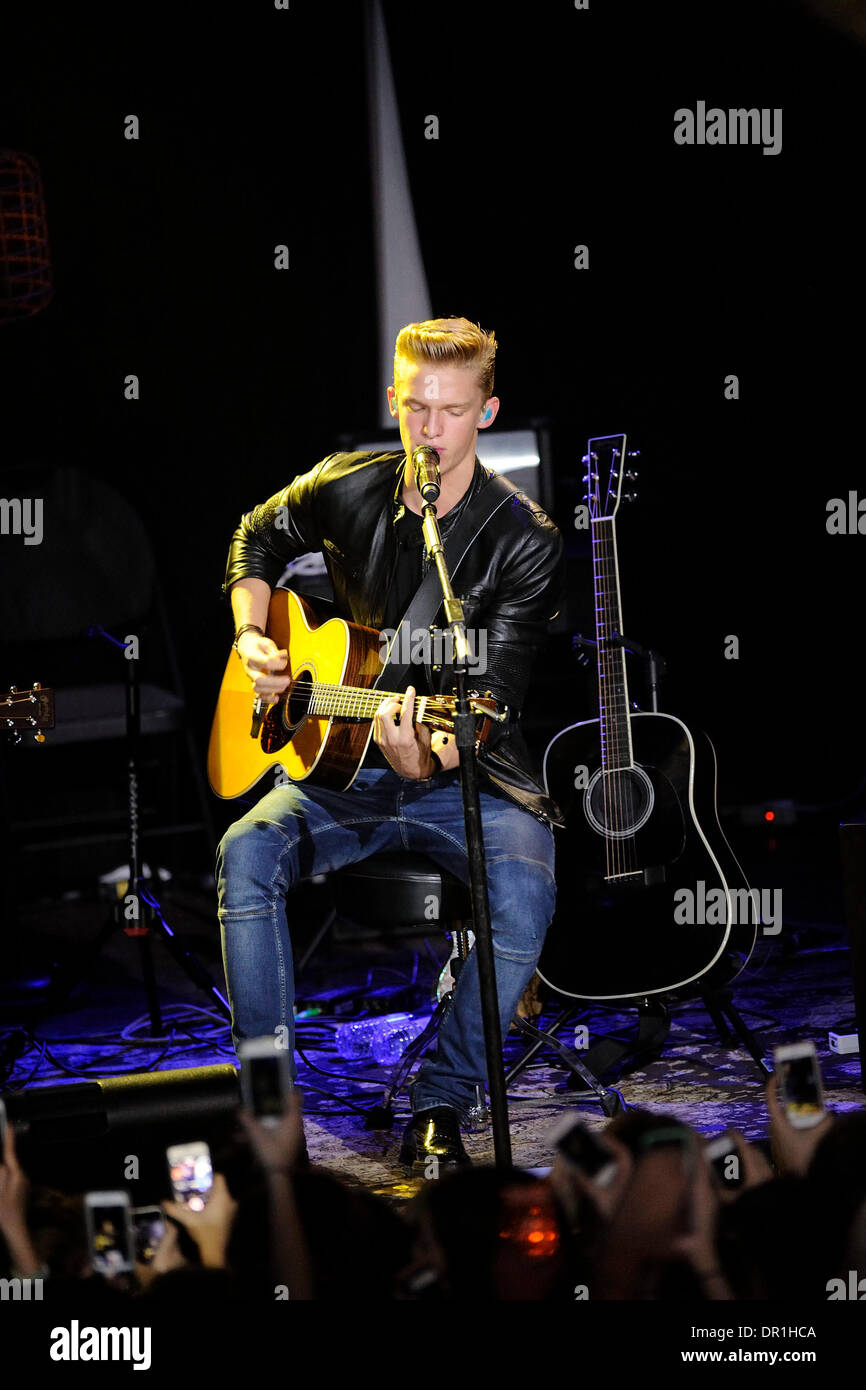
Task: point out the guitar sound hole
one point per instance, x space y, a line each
298 698
618 803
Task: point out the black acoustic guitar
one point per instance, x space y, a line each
650 897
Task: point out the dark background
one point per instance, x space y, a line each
556 128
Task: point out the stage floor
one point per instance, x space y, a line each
797 985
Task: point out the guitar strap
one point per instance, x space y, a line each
428 596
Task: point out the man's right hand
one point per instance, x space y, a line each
261 659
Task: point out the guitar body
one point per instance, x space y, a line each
326 750
633 840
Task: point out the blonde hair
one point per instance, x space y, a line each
455 342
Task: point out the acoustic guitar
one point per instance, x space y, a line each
319 728
650 896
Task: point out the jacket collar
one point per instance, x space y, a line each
479 478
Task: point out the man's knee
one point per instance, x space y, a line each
523 897
248 854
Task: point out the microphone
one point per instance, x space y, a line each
425 462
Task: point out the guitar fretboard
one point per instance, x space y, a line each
615 726
355 702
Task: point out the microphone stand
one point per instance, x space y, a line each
465 733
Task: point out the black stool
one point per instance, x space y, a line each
400 889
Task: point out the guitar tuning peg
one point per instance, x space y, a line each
40 738
632 474
629 497
13 690
633 454
36 686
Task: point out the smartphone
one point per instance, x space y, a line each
110 1236
579 1146
718 1152
266 1077
800 1089
191 1173
148 1223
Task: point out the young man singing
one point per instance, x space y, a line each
363 511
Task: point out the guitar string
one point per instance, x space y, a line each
617 783
601 625
627 776
327 698
349 702
616 780
614 758
623 801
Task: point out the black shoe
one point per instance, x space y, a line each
434 1134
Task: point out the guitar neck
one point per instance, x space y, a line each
356 702
615 725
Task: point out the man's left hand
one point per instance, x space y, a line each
405 744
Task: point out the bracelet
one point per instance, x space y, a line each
246 627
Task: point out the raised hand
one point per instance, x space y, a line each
211 1227
792 1147
14 1186
277 1147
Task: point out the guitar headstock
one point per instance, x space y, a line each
605 471
27 711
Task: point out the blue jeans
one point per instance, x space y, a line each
294 833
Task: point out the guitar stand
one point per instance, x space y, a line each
653 1026
610 1100
583 1067
653 1020
719 1004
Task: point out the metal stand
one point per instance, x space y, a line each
465 731
653 1026
137 914
609 1099
382 1117
719 1004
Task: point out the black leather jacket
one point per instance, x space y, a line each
510 581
